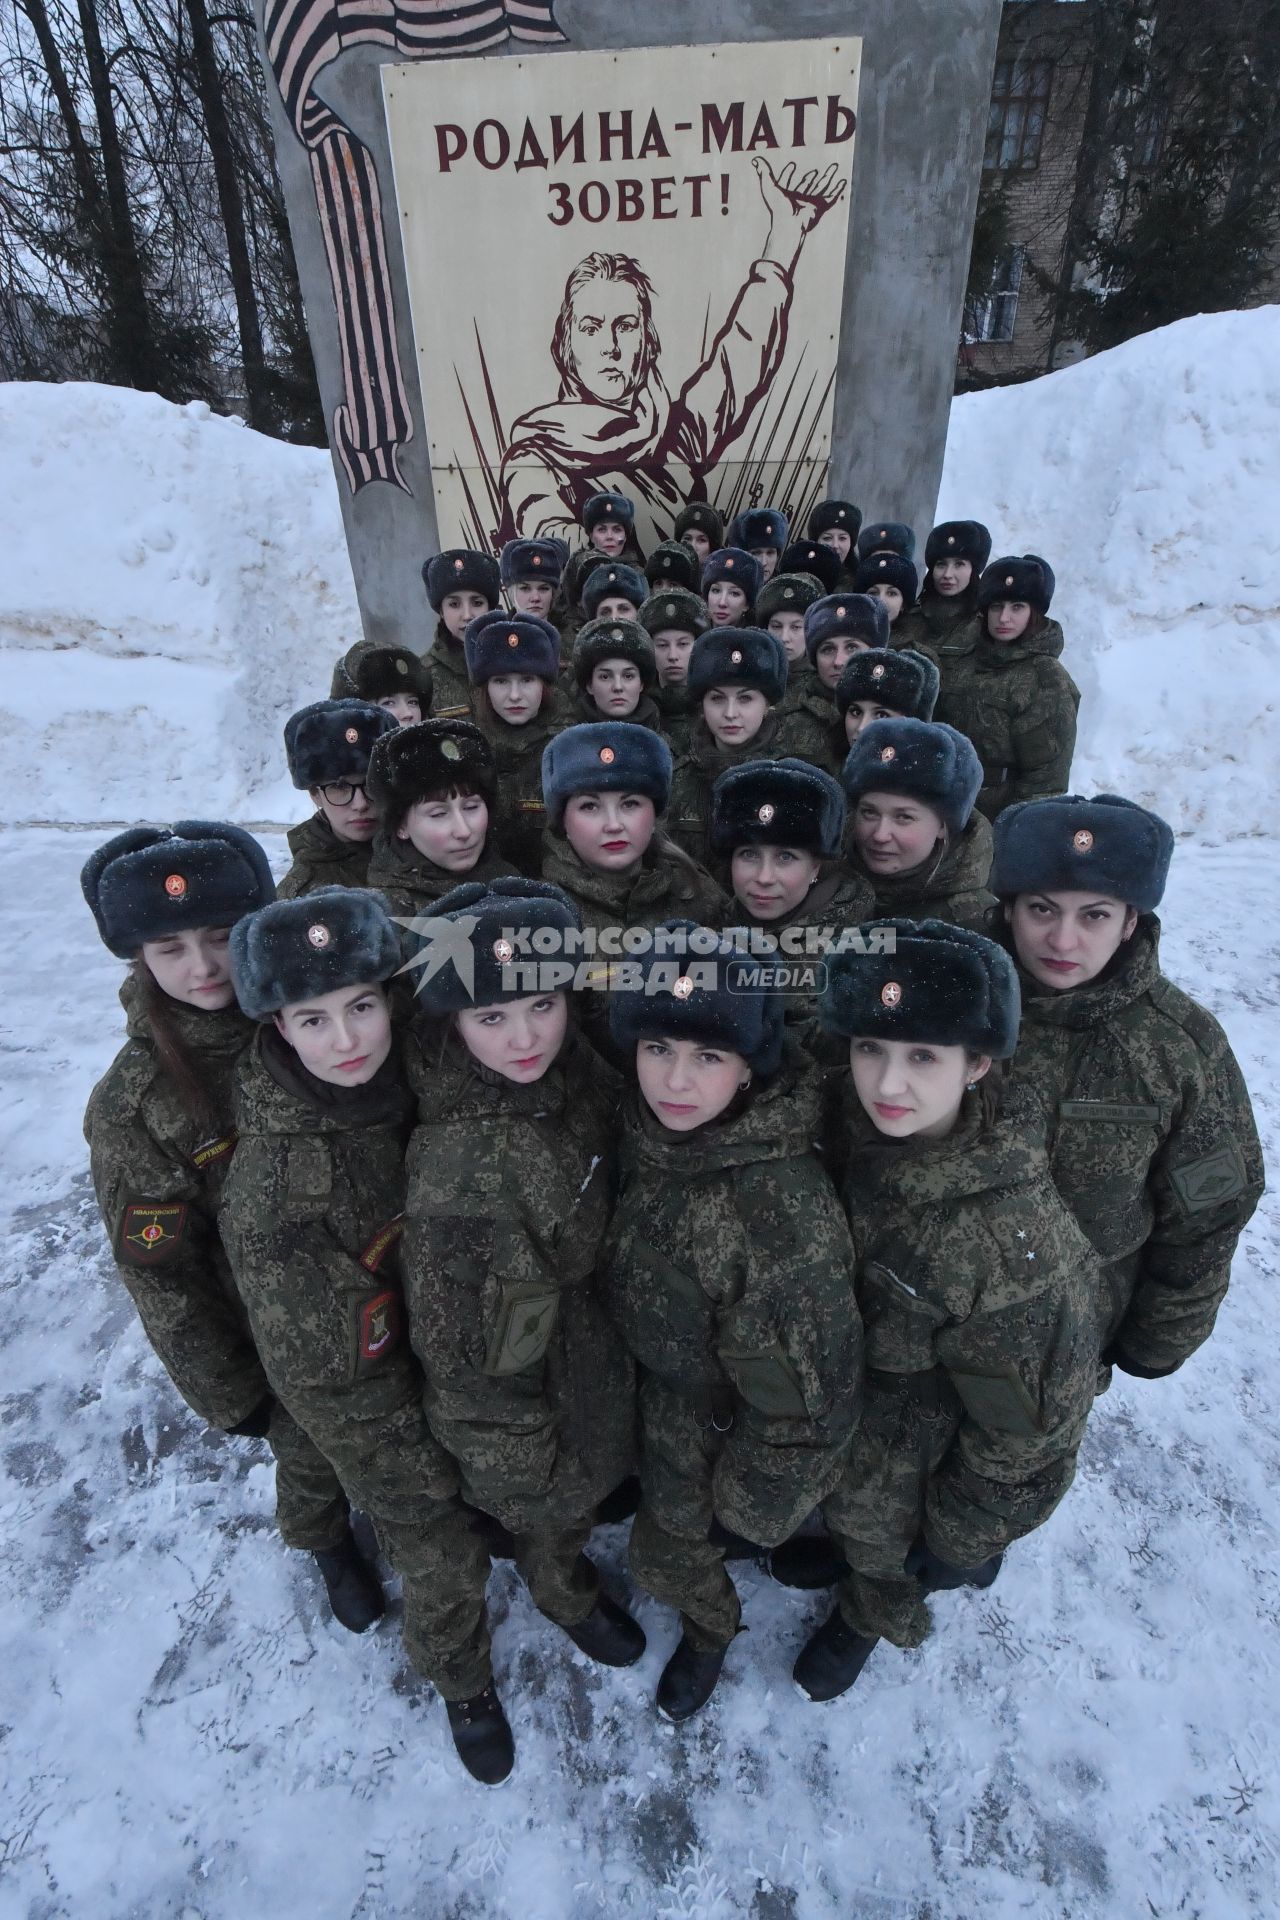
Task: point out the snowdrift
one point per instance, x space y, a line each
173 585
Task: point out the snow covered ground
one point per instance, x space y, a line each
182 1732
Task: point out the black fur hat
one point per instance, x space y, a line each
700 517
501 642
463 961
810 556
835 516
151 881
608 506
887 536
959 540
461 570
531 561
672 564
899 678
857 616
332 740
371 672
736 567
924 759
942 985
787 593
1018 576
1072 845
777 803
605 756
614 638
613 579
674 608
760 527
430 756
709 993
889 570
298 949
739 657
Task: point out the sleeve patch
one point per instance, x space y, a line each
1207 1182
149 1235
525 1318
378 1325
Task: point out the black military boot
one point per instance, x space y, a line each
688 1680
620 1504
832 1659
808 1561
355 1592
608 1634
482 1735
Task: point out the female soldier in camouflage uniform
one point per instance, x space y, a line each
462 585
390 677
1153 1144
977 1287
513 661
954 556
311 1215
729 1272
161 1138
883 683
328 745
914 833
737 675
673 620
433 785
836 628
509 1188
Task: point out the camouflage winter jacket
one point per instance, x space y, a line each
451 690
518 816
1153 1144
510 1187
1017 705
320 859
679 713
837 900
688 816
412 884
583 711
951 887
809 727
979 1296
931 623
158 1174
729 1272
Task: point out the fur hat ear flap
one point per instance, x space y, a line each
697 985
959 540
851 616
474 949
611 580
811 557
604 507
672 610
889 570
500 642
835 516
1106 846
887 536
331 740
608 756
461 570
700 517
1018 576
740 657
924 759
672 564
924 981
532 562
898 678
371 672
777 803
736 568
298 950
148 882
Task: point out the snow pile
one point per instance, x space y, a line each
1148 478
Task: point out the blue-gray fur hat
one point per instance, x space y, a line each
613 579
739 657
296 950
834 516
924 759
605 756
777 803
888 570
736 567
608 506
899 678
371 672
711 995
148 882
331 740
887 536
1072 845
530 561
809 556
482 921
461 570
500 642
855 616
941 985
959 540
1018 576
760 527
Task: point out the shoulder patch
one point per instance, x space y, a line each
151 1234
526 1315
310 1172
379 1321
213 1151
1207 1182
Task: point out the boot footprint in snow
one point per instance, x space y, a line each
355 1592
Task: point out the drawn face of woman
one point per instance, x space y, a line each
606 336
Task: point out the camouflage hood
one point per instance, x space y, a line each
778 1122
962 868
275 1094
1094 1005
887 1176
451 1085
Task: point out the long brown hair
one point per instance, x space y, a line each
990 1088
175 1058
483 706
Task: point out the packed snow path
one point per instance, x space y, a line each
185 1733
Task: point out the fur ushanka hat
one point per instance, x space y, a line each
371 672
924 759
612 579
531 561
1017 576
899 678
710 994
148 882
942 986
613 638
485 919
760 527
738 657
834 516
671 609
888 570
672 564
959 540
700 517
501 642
461 570
735 567
853 616
331 740
296 950
605 756
887 536
608 506
1068 844
810 556
777 803
788 593
428 756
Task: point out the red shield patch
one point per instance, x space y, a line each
379 1325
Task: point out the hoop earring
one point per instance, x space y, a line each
744 1084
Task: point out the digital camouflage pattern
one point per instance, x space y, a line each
320 859
837 899
158 1176
411 884
311 1215
679 713
1017 704
978 1292
809 725
688 815
950 886
1153 1144
931 623
451 689
518 815
526 1383
583 711
729 1272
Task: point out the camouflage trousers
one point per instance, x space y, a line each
312 1511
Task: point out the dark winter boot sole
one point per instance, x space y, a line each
688 1681
355 1592
608 1634
482 1736
831 1660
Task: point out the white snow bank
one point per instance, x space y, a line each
173 585
1149 478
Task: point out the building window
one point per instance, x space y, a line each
995 315
1015 118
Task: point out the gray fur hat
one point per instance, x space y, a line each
700 517
672 564
941 985
428 756
834 516
888 570
1068 844
482 925
371 672
777 803
461 570
924 759
1018 576
531 560
613 579
671 608
809 556
151 881
788 593
959 540
899 678
613 638
760 527
332 739
605 756
709 994
608 506
736 568
296 950
501 642
887 536
853 616
739 657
